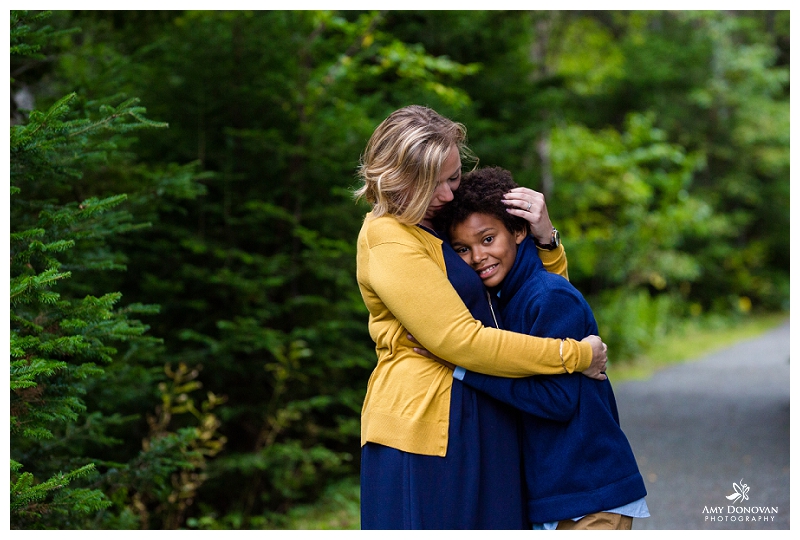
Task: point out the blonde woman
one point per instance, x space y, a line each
435 453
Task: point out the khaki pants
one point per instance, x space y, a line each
599 521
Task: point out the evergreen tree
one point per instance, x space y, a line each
64 332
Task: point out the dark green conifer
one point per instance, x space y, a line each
65 330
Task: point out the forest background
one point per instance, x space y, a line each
188 344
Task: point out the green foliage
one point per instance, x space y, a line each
337 508
26 36
631 320
61 338
630 213
31 500
630 203
159 485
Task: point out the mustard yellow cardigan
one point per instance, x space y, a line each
402 277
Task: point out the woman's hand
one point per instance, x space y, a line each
597 369
530 206
429 354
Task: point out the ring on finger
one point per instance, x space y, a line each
528 209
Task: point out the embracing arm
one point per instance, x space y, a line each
555 313
417 293
553 397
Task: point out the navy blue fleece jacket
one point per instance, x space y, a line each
577 460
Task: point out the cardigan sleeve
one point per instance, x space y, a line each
553 313
554 260
416 291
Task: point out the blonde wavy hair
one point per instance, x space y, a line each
401 164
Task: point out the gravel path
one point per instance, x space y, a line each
701 427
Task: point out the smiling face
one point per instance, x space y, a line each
487 246
449 180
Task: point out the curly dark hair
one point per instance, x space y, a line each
481 191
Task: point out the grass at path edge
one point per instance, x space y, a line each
692 343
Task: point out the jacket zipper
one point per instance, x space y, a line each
489 298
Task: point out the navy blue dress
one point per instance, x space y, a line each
478 484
